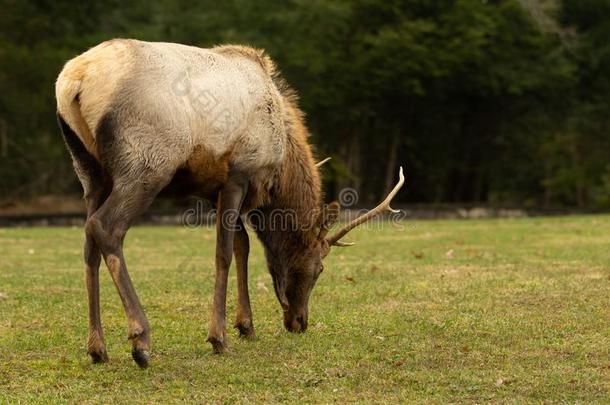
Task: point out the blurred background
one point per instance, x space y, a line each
490 102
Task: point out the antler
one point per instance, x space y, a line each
384 206
321 162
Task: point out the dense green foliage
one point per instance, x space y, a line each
498 101
517 313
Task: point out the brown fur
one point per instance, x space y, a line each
208 172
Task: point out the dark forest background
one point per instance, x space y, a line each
501 102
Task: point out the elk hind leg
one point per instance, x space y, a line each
96 346
108 226
96 189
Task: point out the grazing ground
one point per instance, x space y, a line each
463 311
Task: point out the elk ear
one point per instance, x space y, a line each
328 218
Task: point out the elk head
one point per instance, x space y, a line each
294 287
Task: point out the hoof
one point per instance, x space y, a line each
246 330
218 345
99 357
141 357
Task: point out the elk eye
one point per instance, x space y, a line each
321 269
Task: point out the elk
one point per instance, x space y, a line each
221 123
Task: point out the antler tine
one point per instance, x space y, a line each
343 244
321 162
384 206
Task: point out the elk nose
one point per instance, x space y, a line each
292 325
302 322
296 324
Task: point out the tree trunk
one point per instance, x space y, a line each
349 152
547 184
390 173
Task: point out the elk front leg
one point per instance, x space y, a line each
241 249
229 205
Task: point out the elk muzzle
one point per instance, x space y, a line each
295 321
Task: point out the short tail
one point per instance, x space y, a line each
67 94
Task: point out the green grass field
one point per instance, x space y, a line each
463 311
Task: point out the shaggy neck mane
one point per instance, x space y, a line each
299 181
295 199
